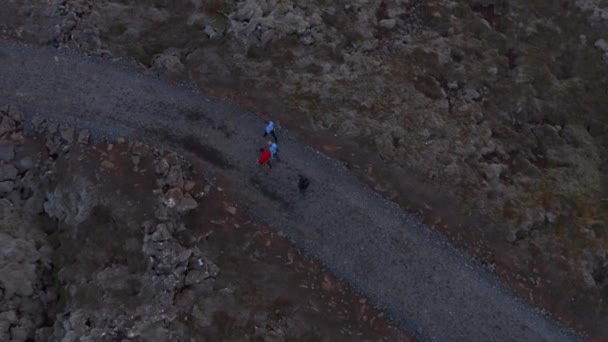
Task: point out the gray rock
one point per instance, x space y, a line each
247 11
139 149
38 122
135 160
35 204
7 150
52 127
307 39
6 187
388 23
492 172
175 178
10 316
19 334
161 167
53 146
189 185
170 65
24 164
84 136
601 44
72 203
471 94
7 172
161 213
161 234
231 210
44 334
194 277
67 133
267 36
5 330
211 32
7 125
186 204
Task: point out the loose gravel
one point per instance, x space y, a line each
423 283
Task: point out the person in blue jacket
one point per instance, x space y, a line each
270 130
274 151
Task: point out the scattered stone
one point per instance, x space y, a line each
84 137
601 44
267 37
173 158
19 334
38 122
189 185
161 233
161 213
170 65
139 149
7 150
175 177
187 203
388 23
52 145
7 125
307 40
52 127
6 187
175 193
107 164
161 167
135 160
211 31
35 204
231 210
67 134
169 202
121 140
7 172
471 94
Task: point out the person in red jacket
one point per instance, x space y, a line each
265 158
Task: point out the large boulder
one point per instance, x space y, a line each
71 203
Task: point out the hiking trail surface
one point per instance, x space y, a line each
426 285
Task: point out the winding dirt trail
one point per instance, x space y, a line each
427 286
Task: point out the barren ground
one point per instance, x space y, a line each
488 115
83 219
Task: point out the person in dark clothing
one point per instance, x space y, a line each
303 184
270 130
265 158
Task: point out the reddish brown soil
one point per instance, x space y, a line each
267 273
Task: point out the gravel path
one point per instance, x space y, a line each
416 276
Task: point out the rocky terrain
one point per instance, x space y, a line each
497 109
114 240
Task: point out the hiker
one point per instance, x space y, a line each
270 130
303 183
265 158
274 151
